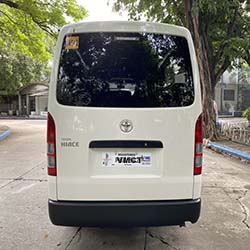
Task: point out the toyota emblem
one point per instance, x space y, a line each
126 126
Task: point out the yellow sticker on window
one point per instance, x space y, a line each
72 42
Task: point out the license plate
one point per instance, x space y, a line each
126 159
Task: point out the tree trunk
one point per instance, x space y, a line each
205 70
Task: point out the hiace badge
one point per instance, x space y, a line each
126 159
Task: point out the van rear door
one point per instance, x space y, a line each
125 106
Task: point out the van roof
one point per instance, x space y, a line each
125 26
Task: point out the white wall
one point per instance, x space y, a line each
41 104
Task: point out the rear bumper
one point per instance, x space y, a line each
123 213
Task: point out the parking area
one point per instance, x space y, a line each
24 222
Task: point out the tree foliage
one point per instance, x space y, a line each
246 114
17 70
220 30
224 23
28 30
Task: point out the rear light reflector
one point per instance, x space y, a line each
51 145
198 147
197 170
198 161
51 161
51 148
51 171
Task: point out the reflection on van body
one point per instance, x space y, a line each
126 70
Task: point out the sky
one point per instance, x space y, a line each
100 11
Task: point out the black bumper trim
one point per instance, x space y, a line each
123 213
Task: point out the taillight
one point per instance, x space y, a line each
198 147
51 145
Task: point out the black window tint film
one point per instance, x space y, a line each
125 70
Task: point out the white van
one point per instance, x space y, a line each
124 126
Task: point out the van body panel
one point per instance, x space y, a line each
197 187
80 175
52 187
81 172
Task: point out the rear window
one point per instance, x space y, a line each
125 70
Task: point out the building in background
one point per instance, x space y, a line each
30 100
232 92
33 99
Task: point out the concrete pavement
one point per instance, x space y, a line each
24 223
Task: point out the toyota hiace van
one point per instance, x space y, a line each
124 126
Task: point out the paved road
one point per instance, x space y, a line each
24 223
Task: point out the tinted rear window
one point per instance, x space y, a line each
125 70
